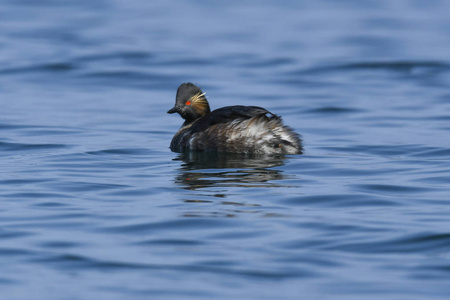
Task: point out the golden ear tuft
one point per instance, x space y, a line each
199 103
198 97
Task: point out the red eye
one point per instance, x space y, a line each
188 103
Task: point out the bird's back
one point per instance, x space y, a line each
238 129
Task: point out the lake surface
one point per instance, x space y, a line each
94 205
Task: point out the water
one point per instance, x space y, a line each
95 206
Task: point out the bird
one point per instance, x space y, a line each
232 129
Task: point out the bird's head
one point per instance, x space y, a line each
190 102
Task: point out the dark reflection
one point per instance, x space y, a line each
201 170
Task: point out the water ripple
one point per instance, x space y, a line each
416 243
9 146
408 67
340 200
391 189
184 224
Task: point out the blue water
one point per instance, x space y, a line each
93 205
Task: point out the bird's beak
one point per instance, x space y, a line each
172 110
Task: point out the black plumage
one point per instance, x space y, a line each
237 129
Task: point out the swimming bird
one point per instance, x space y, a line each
233 129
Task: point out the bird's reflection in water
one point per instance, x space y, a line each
229 185
200 170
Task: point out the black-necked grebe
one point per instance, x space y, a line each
234 129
